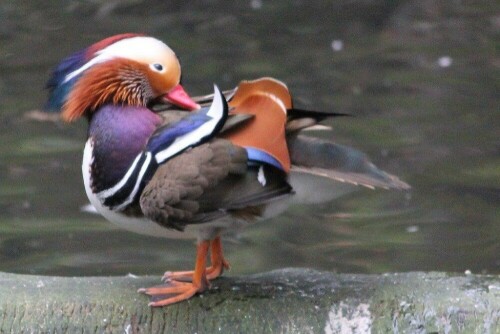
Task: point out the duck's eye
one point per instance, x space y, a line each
157 67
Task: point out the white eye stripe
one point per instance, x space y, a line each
96 60
135 48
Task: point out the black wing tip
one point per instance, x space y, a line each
297 112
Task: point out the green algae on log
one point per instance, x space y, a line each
281 301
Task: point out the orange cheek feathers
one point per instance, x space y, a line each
104 83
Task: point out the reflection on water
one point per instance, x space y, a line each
421 77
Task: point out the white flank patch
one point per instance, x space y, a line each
142 49
216 112
261 177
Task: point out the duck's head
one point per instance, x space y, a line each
129 69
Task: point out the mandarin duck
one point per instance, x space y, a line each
193 167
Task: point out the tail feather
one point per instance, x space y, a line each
324 158
300 119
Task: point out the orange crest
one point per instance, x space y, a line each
268 99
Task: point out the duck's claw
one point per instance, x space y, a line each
182 285
173 292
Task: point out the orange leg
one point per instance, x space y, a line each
217 260
174 291
218 264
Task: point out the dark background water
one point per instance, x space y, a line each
422 78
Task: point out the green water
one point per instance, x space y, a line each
421 77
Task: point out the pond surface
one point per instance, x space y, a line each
421 77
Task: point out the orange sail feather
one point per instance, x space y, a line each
267 99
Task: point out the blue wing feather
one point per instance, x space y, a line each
256 155
193 130
166 135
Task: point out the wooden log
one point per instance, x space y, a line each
281 301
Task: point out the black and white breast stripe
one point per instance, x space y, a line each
167 142
125 192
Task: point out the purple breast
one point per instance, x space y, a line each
119 135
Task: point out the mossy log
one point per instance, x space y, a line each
281 301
